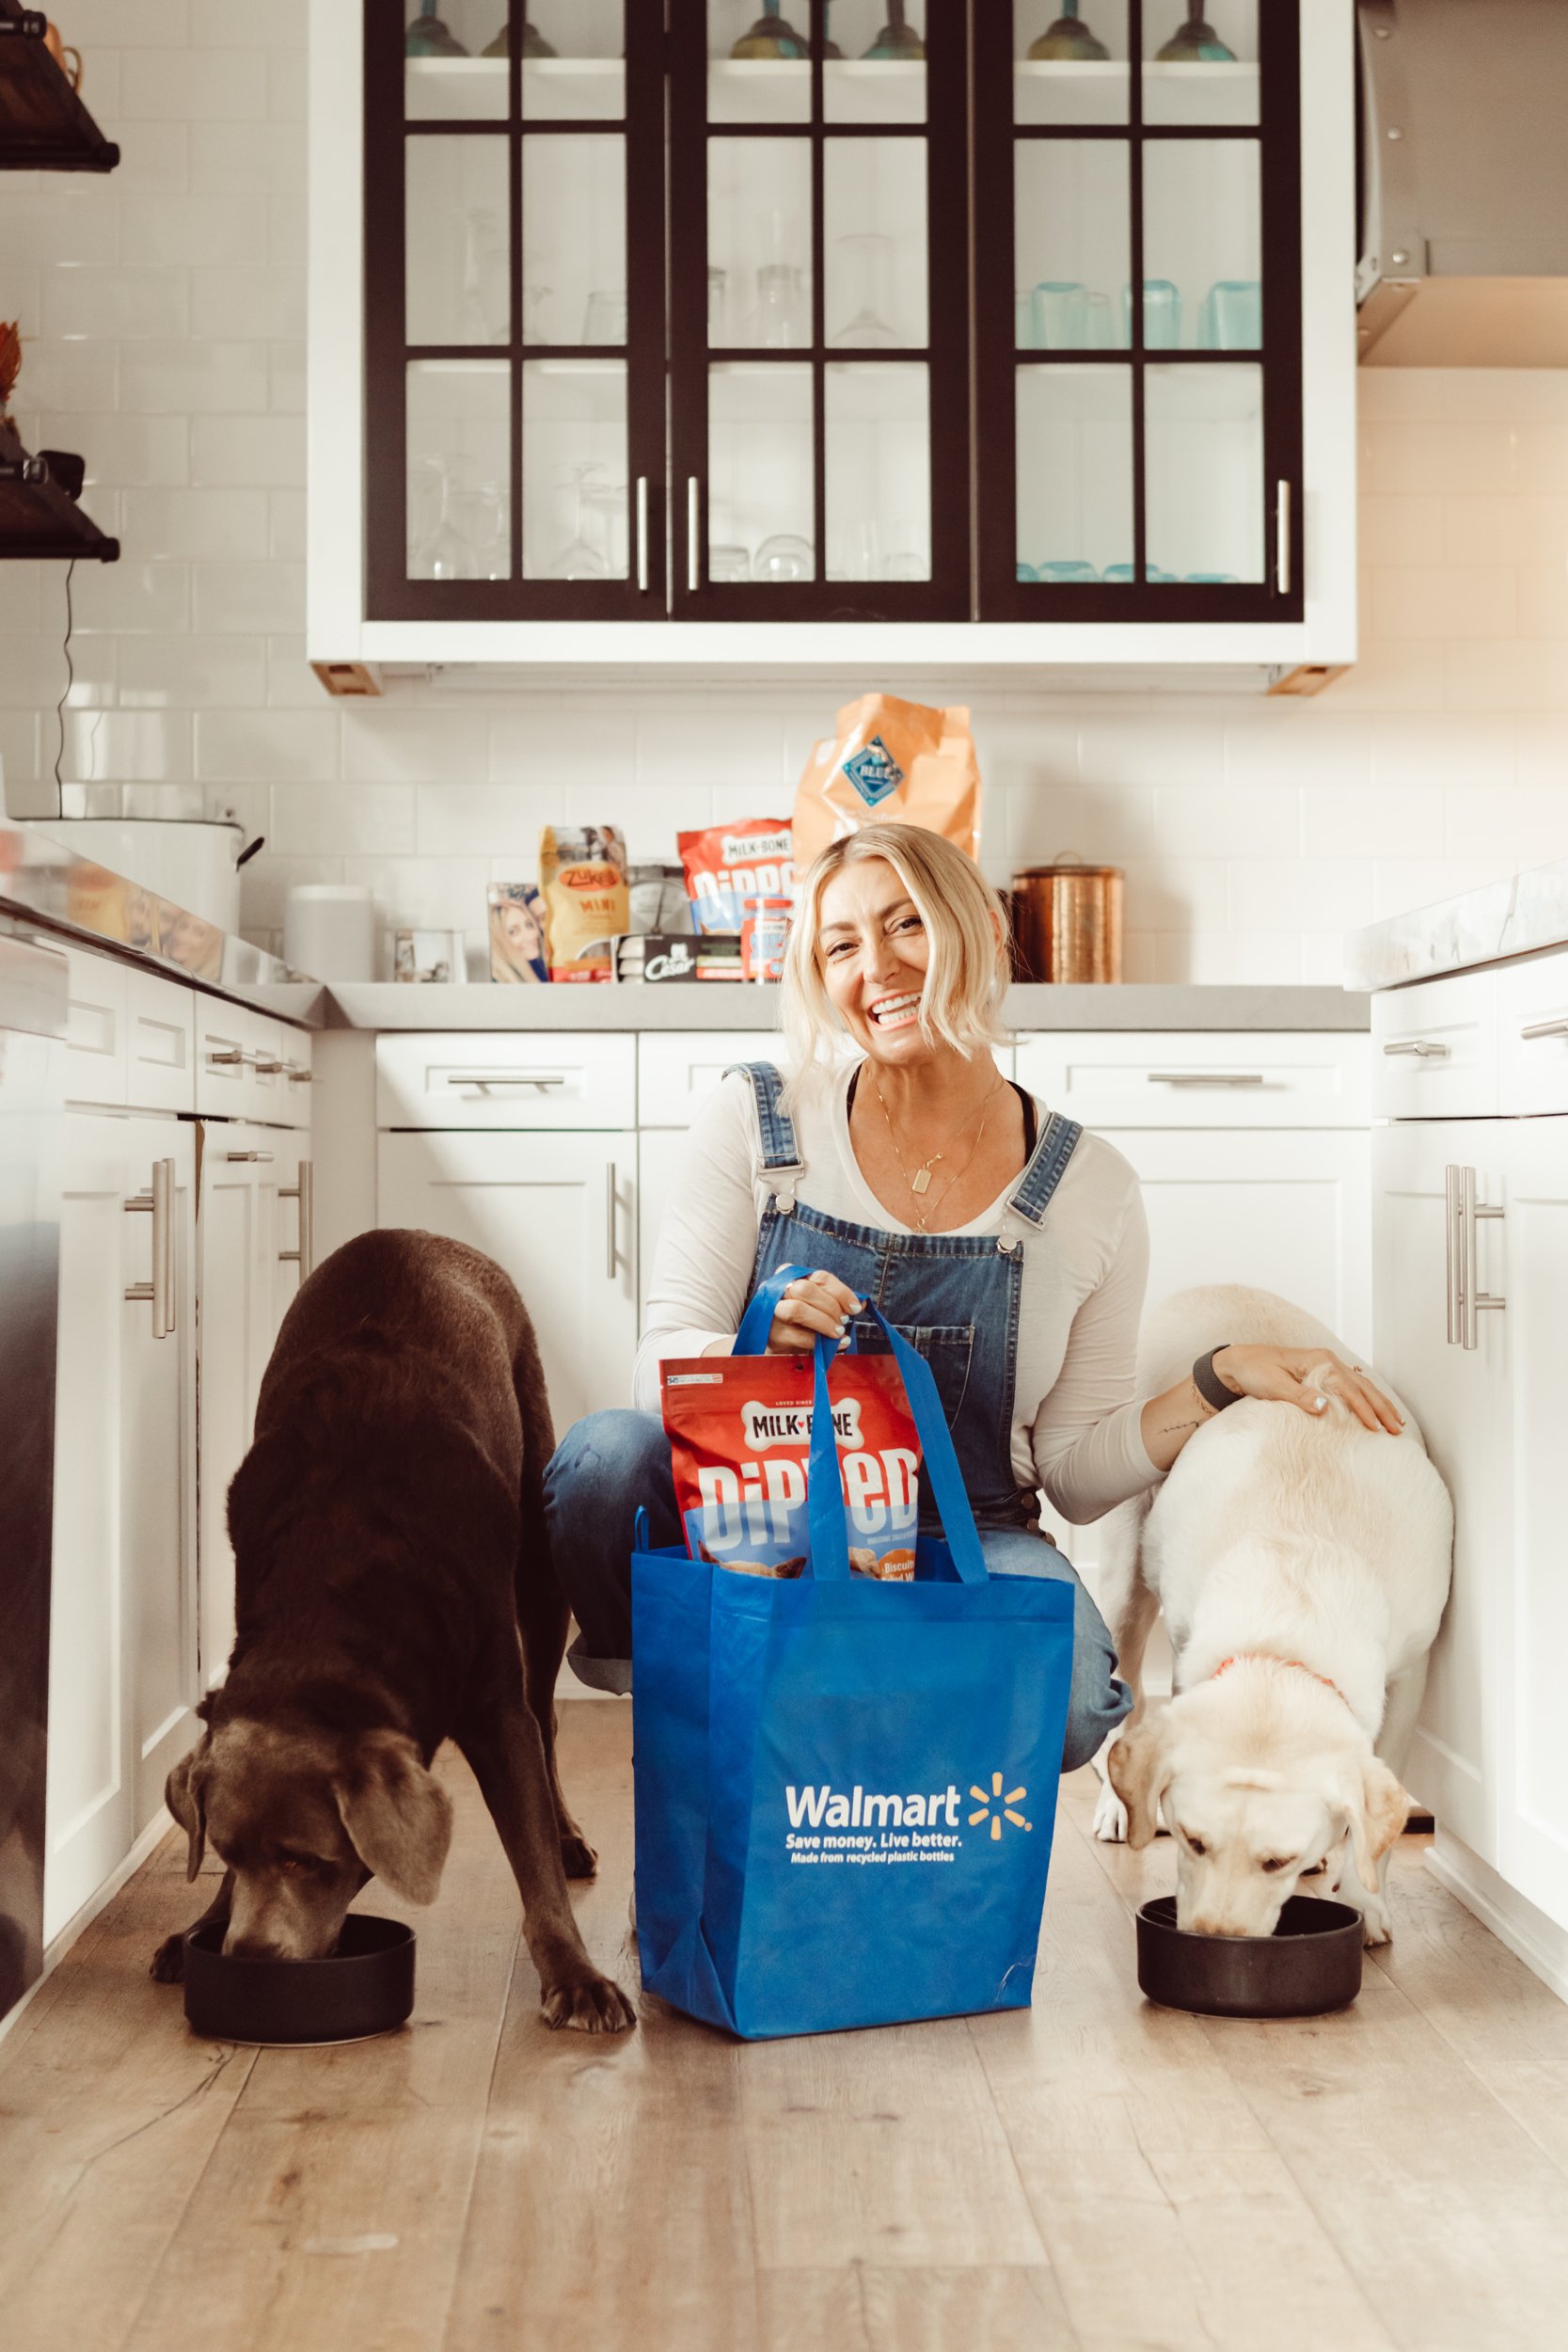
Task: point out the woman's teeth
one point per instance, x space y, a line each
897 1013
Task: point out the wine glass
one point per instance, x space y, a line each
428 37
606 503
578 558
533 44
484 277
480 509
781 320
770 37
534 298
784 557
1195 43
446 553
867 256
896 38
605 320
1068 40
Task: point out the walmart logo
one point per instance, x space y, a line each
1003 1805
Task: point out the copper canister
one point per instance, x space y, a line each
1067 921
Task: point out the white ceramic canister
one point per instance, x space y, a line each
329 930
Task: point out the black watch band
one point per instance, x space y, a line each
1206 1380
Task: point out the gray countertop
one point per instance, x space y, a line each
1516 918
76 900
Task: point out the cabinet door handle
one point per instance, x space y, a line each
1546 1029
610 1255
159 1292
266 1156
305 1193
1422 1047
1451 1197
1474 1300
1282 538
229 1058
539 1078
1204 1077
642 534
693 525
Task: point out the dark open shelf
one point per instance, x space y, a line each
44 124
36 517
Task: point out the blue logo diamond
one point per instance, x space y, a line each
874 773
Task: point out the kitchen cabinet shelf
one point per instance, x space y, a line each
38 521
44 124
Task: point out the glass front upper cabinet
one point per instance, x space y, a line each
819 414
1138 357
515 308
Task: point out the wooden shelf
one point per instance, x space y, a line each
44 124
38 521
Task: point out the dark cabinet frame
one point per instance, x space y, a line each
970 351
1002 596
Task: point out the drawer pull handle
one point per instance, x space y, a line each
1546 1029
1422 1047
228 1057
693 530
265 1156
1204 1077
610 1250
265 1067
1282 550
1474 1299
642 534
305 1193
159 1292
298 1075
483 1086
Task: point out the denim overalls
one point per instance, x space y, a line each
955 1297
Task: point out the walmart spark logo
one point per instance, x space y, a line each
1003 1807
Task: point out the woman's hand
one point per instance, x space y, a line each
813 1303
1280 1374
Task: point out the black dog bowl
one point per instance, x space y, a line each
365 1987
1310 1963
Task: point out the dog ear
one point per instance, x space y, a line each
185 1795
1377 1810
1140 1775
397 1816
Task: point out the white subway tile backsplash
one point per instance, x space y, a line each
1528 822
1371 821
236 24
333 820
595 742
257 598
292 684
1175 895
33 666
1307 893
397 742
1400 884
127 747
1398 531
264 303
1218 820
130 451
286 529
127 597
1160 748
1287 741
192 86
234 747
195 523
1446 600
68 379
1442 749
487 820
1230 957
192 379
1506 675
102 25
1098 823
191 672
1542 601
220 231
263 451
262 158
1541 748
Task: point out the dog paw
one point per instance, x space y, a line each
1109 1818
169 1960
595 2004
577 1857
1376 1926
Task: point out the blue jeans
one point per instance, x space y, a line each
610 1463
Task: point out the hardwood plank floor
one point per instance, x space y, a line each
1090 2175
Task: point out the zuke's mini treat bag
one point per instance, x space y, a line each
845 1788
739 1439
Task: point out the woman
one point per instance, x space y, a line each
1010 1243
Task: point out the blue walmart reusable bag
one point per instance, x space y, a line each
845 1789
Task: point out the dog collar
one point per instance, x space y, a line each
1241 1656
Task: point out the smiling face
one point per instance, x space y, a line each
874 953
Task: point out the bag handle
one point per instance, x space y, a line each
830 1543
757 1321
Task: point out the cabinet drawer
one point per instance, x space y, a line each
490 1081
1109 1079
674 1074
160 1043
1533 1070
1435 1049
239 1063
95 1062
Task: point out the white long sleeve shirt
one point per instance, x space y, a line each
1075 1431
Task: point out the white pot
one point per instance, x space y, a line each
189 860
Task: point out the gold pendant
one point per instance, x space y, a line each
920 1180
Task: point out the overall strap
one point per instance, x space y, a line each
782 1163
1044 1172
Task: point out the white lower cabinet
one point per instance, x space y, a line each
559 1211
1491 1755
123 1673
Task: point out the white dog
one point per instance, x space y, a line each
1302 1566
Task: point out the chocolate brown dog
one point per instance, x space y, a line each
393 1589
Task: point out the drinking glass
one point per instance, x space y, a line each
533 44
718 308
1233 316
485 278
480 512
428 37
783 322
784 558
868 258
1068 569
770 37
728 563
1162 314
897 39
605 320
1195 43
578 558
446 553
1059 311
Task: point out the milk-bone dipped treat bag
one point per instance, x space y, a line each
845 1785
726 864
889 762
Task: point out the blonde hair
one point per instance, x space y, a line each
969 965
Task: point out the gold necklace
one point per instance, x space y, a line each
919 1183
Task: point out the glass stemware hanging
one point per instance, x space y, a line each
1069 42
